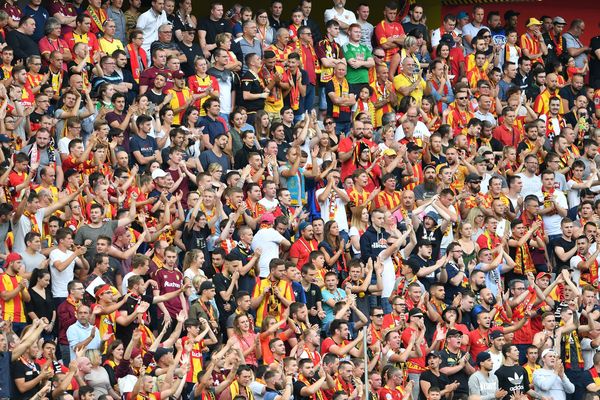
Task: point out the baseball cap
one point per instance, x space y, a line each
412 146
559 21
478 159
389 152
13 257
495 334
542 274
453 333
303 225
206 285
473 177
432 354
511 13
462 14
178 74
548 351
425 242
158 173
483 356
533 21
415 312
268 218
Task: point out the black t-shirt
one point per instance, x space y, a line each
566 246
213 28
191 52
434 236
298 386
437 381
125 333
193 239
221 285
29 372
313 296
450 360
595 62
512 379
154 98
251 84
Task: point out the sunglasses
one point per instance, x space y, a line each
377 315
461 98
329 123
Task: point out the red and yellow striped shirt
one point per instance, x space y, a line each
13 309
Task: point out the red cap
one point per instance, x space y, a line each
542 274
178 74
13 257
134 353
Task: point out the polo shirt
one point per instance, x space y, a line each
359 52
40 16
77 333
402 80
251 84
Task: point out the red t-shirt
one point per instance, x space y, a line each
479 341
414 365
301 250
327 343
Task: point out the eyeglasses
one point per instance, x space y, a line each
487 36
461 98
400 304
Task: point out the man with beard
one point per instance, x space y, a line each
585 264
537 84
542 101
472 197
459 171
43 154
306 386
455 269
532 183
532 143
434 153
216 154
455 363
426 266
428 188
570 92
277 387
301 249
479 339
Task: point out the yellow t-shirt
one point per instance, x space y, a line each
402 80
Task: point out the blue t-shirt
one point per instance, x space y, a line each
146 146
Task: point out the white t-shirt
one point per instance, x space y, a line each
572 194
60 279
268 204
421 131
340 214
531 185
63 145
346 17
575 260
552 222
268 240
23 227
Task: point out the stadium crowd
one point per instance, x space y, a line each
337 207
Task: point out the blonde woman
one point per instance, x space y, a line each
476 218
98 377
192 267
223 41
358 226
467 244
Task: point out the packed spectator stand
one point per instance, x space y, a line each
276 205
